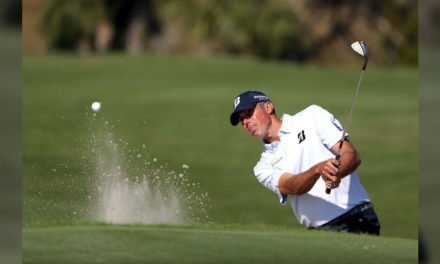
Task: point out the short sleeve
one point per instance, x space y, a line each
328 127
269 177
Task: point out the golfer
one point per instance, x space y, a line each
298 162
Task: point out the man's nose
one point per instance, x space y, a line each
243 121
246 120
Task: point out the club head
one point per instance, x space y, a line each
360 47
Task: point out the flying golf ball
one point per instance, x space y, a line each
96 106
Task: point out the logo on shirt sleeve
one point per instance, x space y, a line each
336 123
301 136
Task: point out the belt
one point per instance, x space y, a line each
353 211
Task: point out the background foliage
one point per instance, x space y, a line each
299 31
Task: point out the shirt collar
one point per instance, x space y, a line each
284 129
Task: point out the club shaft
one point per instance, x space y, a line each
347 122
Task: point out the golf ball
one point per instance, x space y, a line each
96 106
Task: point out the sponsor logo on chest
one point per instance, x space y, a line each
301 136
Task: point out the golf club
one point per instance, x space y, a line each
359 47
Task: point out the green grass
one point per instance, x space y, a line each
216 244
179 107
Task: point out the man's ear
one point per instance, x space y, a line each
268 107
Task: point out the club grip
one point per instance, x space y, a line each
338 158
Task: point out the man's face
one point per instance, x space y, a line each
255 121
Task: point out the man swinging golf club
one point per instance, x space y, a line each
305 157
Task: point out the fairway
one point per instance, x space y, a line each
169 117
216 244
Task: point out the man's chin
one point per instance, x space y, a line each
256 135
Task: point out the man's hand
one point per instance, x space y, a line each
329 171
350 159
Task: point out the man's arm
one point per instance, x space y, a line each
302 183
331 171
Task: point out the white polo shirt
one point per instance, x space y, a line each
305 140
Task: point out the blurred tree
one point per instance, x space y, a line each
301 30
71 24
389 27
399 24
279 35
267 29
134 21
99 24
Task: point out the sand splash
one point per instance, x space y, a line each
131 187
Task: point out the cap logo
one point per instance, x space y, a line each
236 102
261 97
